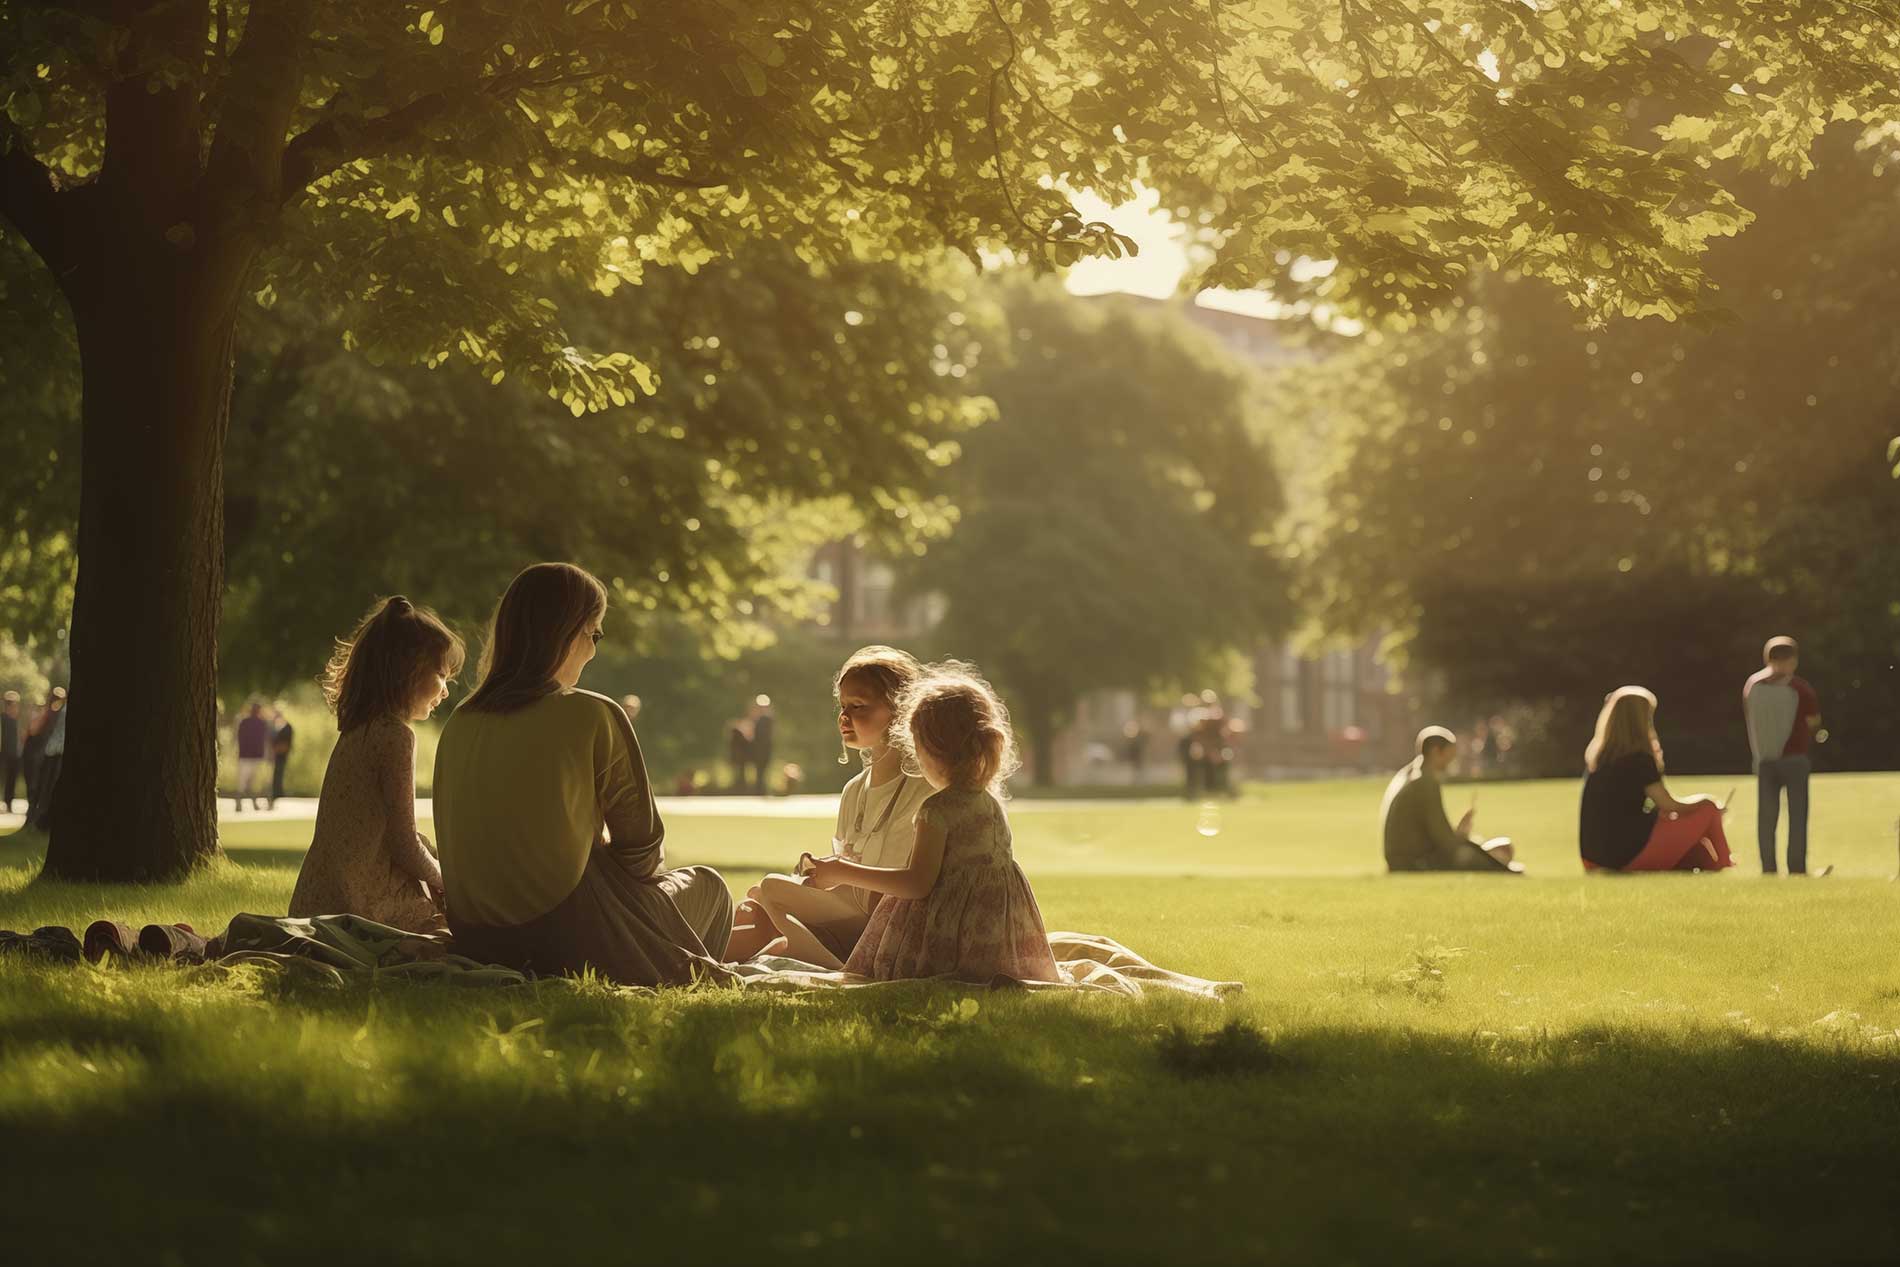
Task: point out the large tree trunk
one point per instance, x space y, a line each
136 800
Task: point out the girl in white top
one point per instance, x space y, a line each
784 915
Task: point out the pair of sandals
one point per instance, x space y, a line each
170 943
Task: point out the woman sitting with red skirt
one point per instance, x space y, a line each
1629 822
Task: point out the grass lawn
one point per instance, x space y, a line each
1439 1068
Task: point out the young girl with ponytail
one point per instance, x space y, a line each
366 857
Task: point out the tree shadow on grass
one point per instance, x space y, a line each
293 1123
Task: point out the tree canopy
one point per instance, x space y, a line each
1114 521
796 404
1542 513
388 148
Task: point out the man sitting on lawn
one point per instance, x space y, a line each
1418 836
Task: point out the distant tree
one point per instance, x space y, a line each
1545 513
1114 520
168 160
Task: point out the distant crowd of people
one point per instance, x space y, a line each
32 749
1205 736
1628 819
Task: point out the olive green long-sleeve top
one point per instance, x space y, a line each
523 799
1417 834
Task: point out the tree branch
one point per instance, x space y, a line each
337 138
260 96
1373 81
1220 92
32 201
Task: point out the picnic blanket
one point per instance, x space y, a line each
1086 961
328 946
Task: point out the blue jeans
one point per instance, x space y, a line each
1770 778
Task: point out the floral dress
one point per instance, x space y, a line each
979 921
366 856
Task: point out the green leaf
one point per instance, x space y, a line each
751 77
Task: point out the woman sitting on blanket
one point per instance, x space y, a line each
366 856
787 915
960 906
552 847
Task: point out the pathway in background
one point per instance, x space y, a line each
304 808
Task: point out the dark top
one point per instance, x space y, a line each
9 736
282 740
1616 820
253 736
762 737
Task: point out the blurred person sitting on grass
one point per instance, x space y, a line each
1412 822
1628 821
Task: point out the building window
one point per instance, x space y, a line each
1292 693
874 595
1339 687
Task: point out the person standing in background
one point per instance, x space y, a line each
1783 716
253 745
1135 748
52 756
762 727
10 740
33 747
283 736
739 750
1185 721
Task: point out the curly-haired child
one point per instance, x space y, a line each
960 907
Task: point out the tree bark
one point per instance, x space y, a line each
136 800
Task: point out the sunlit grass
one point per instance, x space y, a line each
1471 1067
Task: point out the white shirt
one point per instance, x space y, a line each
879 824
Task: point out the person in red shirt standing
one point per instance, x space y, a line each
1783 716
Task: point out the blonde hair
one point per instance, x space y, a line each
952 714
885 670
1627 724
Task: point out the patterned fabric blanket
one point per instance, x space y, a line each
328 946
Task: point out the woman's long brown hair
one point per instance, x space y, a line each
546 608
